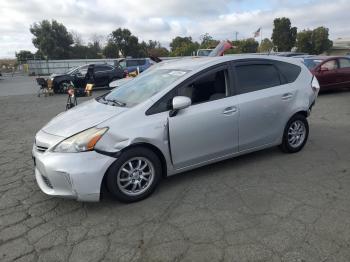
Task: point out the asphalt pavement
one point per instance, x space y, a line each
265 206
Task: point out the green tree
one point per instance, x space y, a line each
111 50
127 43
314 42
243 46
24 55
320 40
266 45
249 46
52 39
154 48
207 41
183 46
283 35
304 42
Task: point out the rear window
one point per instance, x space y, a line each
289 71
256 77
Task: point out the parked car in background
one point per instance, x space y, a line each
289 54
99 74
331 72
204 52
132 64
179 115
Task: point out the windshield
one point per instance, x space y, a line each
144 86
81 69
312 63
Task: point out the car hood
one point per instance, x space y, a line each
81 117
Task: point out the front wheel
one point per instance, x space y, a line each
295 134
134 175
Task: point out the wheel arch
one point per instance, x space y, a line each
156 150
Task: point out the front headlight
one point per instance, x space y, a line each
81 142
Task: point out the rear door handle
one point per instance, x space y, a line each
229 110
287 96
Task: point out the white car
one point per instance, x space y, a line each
174 117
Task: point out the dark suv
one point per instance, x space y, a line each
98 74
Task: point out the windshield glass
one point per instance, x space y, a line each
144 86
312 63
81 69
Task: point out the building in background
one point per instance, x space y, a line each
341 46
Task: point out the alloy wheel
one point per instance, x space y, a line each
135 176
296 133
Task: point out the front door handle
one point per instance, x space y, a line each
287 96
229 110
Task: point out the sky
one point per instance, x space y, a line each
163 20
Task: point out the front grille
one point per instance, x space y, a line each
40 149
47 181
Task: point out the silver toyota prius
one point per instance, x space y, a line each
176 116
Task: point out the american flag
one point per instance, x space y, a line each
257 32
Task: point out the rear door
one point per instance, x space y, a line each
265 99
344 71
102 74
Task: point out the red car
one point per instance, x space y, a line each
331 72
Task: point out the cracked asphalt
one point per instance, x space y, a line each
265 206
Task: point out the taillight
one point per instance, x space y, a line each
315 85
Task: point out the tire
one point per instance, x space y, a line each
62 87
295 134
122 178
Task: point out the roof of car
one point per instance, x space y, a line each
192 63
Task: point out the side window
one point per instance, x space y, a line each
141 62
211 86
344 63
330 65
289 71
255 77
131 63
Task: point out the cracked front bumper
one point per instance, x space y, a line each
71 175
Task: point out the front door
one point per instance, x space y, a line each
208 129
327 75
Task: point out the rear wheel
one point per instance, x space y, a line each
134 175
295 134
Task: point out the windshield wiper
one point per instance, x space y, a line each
119 103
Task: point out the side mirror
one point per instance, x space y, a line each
178 103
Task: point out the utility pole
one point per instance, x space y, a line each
236 34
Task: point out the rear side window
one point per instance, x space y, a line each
255 77
289 72
344 63
131 63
